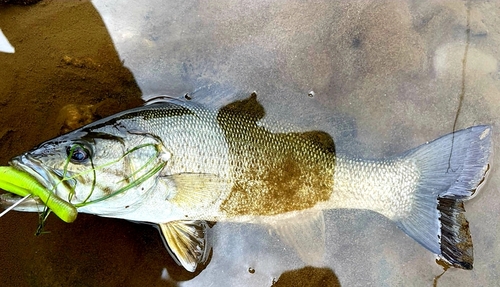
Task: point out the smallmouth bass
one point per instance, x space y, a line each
180 166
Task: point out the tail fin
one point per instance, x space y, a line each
451 169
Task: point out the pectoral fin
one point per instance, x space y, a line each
306 234
186 242
195 190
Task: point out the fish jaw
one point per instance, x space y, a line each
46 177
30 204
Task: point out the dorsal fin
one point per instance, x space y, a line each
249 108
157 99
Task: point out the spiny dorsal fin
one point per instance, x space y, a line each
186 241
306 234
159 99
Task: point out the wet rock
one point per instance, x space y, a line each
73 116
87 62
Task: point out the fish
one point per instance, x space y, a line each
181 166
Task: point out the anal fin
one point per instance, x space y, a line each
186 241
305 232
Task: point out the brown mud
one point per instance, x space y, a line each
65 73
317 277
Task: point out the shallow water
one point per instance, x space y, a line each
386 76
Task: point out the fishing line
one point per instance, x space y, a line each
94 168
142 178
42 218
462 90
14 205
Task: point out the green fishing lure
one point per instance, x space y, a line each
23 184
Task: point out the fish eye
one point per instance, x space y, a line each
77 153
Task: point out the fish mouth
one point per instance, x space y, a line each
18 203
49 178
39 186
